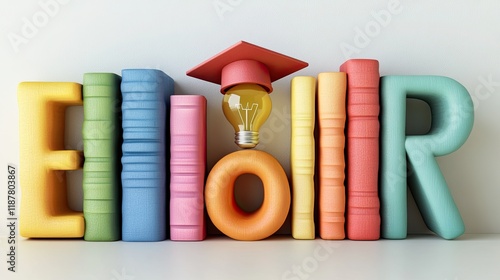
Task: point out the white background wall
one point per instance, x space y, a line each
459 39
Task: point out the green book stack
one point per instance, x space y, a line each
102 138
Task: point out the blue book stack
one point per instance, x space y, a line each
145 108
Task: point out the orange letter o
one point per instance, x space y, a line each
221 204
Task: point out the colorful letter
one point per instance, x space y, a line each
221 205
452 120
44 209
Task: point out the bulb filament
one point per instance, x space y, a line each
244 114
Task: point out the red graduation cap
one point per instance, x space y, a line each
246 63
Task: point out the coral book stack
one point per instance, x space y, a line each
331 114
363 218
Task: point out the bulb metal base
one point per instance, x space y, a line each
246 139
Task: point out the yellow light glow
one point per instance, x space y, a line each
246 107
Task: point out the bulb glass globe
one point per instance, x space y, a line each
246 107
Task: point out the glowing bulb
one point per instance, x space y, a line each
246 107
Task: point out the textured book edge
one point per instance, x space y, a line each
145 109
331 123
363 218
303 96
101 171
187 167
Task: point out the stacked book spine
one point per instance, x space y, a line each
102 138
187 166
363 218
145 108
331 114
303 97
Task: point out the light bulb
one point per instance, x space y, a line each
246 107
